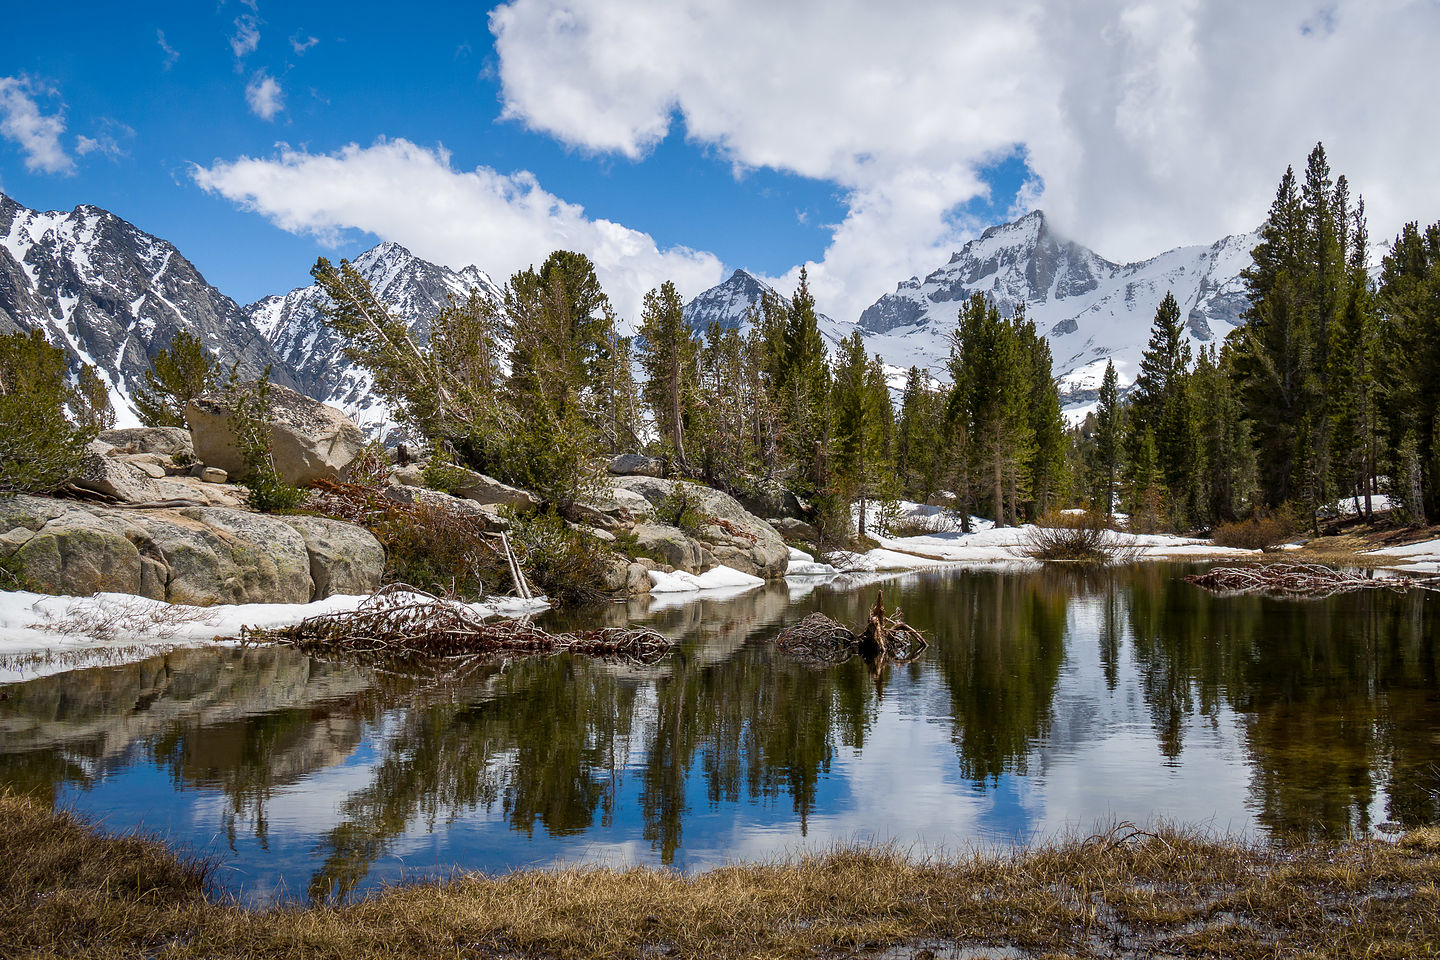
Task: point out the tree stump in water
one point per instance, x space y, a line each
875 641
817 637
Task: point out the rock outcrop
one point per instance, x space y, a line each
731 534
192 555
173 442
636 465
344 558
309 440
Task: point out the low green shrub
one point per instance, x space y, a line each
563 563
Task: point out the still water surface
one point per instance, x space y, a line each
1048 701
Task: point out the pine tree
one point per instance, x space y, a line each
1356 356
41 447
176 376
1107 440
802 389
863 436
1161 405
669 356
1225 462
990 403
1301 284
1048 468
1409 302
919 437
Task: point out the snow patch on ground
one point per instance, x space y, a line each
42 634
1000 547
716 578
1422 557
803 564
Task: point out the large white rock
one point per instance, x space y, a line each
309 440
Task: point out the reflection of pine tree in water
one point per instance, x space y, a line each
999 642
1182 669
544 738
1335 697
762 727
1113 625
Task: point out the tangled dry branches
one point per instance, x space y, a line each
821 639
1299 579
400 624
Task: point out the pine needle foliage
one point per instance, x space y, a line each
45 423
176 376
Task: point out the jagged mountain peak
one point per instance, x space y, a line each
729 304
411 287
1090 308
113 296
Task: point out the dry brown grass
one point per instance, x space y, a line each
66 891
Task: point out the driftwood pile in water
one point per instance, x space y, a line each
402 624
1299 580
886 636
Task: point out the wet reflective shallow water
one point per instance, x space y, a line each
1048 701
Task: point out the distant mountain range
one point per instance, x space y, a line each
1092 310
114 296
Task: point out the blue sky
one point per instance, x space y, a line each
681 139
437 84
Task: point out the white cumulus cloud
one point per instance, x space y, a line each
264 95
398 190
37 134
1148 123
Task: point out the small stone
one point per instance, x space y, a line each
213 475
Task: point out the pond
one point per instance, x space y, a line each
1048 701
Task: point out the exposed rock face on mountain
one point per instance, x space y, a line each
114 296
726 304
1090 308
413 289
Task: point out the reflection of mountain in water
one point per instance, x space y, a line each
1330 704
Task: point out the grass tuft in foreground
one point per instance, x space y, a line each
68 891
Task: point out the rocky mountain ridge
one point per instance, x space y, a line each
412 288
1091 309
114 296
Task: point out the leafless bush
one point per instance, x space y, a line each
130 618
1082 538
924 524
1257 533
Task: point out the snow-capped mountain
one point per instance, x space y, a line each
1092 309
729 304
114 296
411 288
